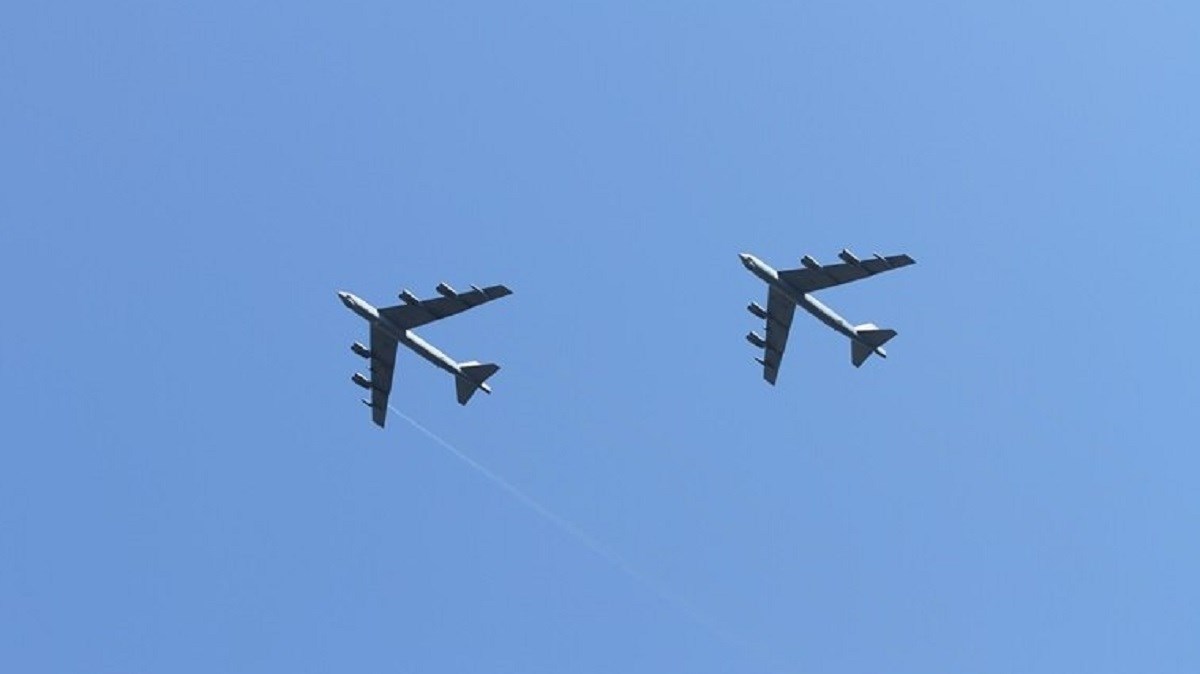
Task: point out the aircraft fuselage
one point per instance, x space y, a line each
408 338
802 299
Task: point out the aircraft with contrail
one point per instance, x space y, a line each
392 326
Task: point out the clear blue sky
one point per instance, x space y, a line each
189 484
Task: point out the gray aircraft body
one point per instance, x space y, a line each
790 288
392 326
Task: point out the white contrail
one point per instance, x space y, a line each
590 543
562 523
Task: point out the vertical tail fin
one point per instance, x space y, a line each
472 379
870 340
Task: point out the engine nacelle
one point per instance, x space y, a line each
361 380
809 262
756 340
409 298
757 310
360 350
848 257
446 291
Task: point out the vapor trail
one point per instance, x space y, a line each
586 540
561 522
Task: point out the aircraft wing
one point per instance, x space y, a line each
383 366
816 276
415 313
780 309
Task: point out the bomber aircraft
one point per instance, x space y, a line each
792 287
394 325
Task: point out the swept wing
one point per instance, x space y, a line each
780 309
814 276
416 312
383 366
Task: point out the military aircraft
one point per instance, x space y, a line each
789 288
394 325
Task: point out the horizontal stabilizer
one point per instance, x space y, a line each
472 379
870 339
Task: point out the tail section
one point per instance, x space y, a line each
870 340
472 379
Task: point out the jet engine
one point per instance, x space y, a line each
361 380
408 297
360 350
446 291
757 310
809 262
848 257
756 340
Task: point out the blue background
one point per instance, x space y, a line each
189 484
